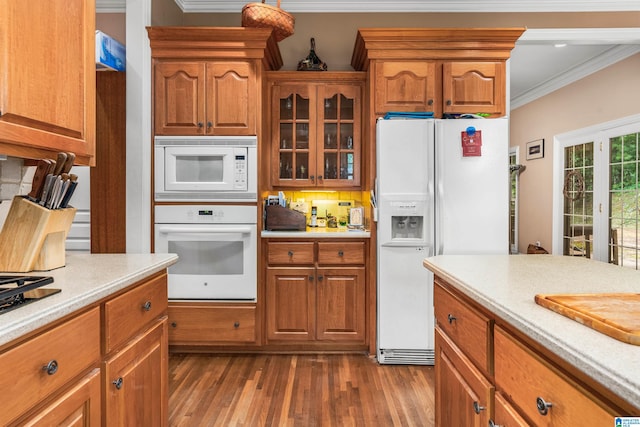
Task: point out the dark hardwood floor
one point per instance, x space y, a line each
297 390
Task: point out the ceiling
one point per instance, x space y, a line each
537 67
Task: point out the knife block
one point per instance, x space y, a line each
33 237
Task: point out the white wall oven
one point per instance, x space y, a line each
205 168
217 249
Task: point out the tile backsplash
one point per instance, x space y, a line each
15 178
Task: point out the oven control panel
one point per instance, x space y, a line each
205 214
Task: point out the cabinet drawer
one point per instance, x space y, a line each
524 378
206 324
350 253
290 253
46 363
128 313
469 329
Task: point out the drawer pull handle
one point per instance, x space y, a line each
118 383
51 367
477 408
290 253
543 407
236 325
340 253
146 306
451 318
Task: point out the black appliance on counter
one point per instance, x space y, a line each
17 291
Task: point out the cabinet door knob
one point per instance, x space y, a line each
340 253
236 324
451 318
290 253
209 125
430 102
477 408
320 278
146 306
200 124
118 383
492 424
174 325
319 177
311 278
543 406
313 178
448 102
51 367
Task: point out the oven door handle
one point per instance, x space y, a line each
237 230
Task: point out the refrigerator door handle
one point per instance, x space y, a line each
439 205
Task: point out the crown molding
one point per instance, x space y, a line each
581 71
111 6
358 6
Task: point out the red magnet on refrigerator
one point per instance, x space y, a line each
471 142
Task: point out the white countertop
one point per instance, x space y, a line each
320 232
507 284
85 279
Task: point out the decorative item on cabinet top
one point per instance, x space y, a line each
312 62
261 15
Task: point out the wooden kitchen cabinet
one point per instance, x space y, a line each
316 300
135 365
80 405
204 323
439 70
36 370
440 87
463 347
208 80
531 383
469 329
316 130
474 87
105 365
482 363
47 84
205 98
136 380
464 397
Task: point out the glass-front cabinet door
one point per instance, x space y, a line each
316 135
293 140
339 133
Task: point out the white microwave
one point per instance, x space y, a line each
205 168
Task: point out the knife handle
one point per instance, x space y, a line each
71 157
67 195
39 177
60 161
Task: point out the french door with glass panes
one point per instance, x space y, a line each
597 193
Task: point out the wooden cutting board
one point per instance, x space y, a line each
613 314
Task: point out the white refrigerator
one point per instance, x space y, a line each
442 187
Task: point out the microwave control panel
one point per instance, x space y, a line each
240 178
